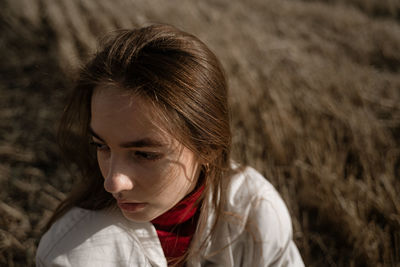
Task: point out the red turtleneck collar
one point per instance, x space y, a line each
175 228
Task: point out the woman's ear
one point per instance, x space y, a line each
206 168
204 159
211 155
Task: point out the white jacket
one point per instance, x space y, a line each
262 236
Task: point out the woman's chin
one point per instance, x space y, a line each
141 216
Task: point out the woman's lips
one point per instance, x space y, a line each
131 207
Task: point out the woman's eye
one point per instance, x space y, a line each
151 156
99 146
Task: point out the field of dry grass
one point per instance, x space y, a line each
315 93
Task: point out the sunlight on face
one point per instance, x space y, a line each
144 168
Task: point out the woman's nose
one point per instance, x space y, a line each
118 180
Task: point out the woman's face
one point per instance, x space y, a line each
146 169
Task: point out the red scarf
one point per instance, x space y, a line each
175 228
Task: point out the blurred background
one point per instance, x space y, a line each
315 91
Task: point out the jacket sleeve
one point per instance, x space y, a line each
274 226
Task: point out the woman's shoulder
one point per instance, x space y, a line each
263 201
72 231
264 215
62 229
252 195
88 238
248 185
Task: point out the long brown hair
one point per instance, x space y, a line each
180 76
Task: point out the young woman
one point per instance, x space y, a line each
148 128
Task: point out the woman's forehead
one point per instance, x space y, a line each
111 92
119 112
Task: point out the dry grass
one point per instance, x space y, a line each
315 91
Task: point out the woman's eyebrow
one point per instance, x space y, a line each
144 142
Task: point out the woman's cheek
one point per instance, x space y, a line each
157 176
103 166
